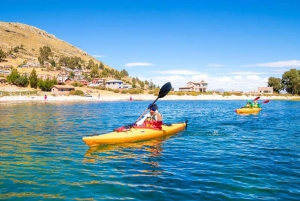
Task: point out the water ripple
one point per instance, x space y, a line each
221 156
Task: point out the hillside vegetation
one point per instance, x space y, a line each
31 39
24 44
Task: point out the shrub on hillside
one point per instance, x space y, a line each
135 91
237 94
77 84
180 93
46 85
22 81
156 91
2 55
192 93
226 94
76 93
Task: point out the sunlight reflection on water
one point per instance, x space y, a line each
221 155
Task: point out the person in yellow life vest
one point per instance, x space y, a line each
153 117
255 104
248 105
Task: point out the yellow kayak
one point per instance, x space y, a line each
248 110
134 134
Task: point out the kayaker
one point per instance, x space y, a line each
258 105
248 105
152 116
255 104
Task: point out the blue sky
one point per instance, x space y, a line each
233 45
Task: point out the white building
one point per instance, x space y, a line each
195 86
265 90
114 84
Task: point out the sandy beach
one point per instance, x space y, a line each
111 96
126 97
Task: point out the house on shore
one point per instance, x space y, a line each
117 84
265 90
114 84
83 81
5 70
97 82
195 86
62 89
46 76
62 78
126 86
262 90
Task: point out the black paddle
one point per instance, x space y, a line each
162 93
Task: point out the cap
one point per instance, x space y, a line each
153 108
154 105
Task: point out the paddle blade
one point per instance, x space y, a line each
165 90
256 98
266 101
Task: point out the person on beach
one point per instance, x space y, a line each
153 118
45 97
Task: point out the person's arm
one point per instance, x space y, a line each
140 122
158 116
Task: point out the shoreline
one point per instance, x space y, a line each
135 97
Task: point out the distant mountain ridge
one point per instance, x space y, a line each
32 39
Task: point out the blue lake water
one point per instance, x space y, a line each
221 155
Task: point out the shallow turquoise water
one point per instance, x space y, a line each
221 156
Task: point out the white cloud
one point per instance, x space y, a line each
199 77
98 56
177 72
176 80
238 81
252 78
223 79
215 65
237 78
277 64
138 64
246 73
